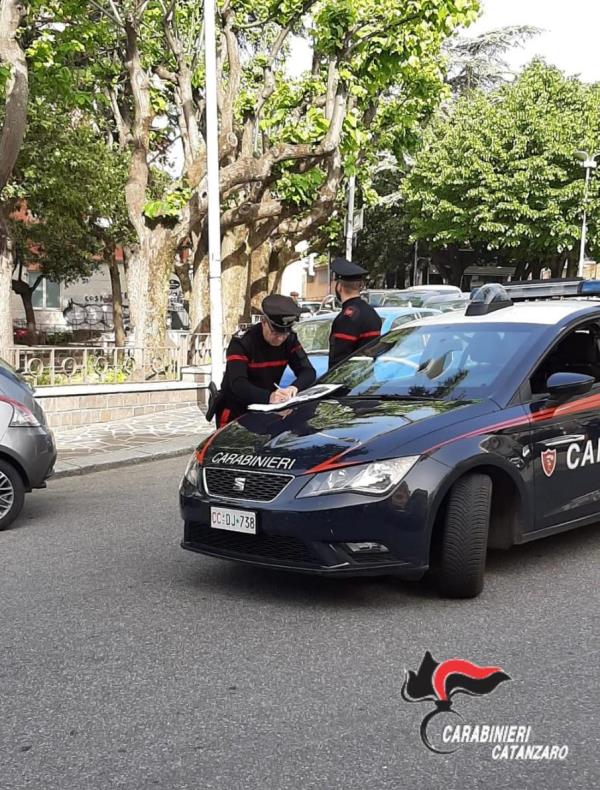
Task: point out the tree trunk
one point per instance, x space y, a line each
276 274
572 265
520 271
27 299
117 299
234 277
182 270
280 257
258 285
199 302
17 88
6 270
16 96
162 252
26 293
137 288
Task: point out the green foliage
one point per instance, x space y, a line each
170 203
388 60
300 188
500 170
73 186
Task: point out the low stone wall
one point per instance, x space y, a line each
83 405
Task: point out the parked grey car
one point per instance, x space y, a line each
27 450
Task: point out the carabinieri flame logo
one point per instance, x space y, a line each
439 683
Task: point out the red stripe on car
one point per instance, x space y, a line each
202 452
527 419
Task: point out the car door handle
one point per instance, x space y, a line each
562 440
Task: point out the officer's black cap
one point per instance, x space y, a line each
347 270
281 311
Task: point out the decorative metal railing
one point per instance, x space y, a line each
47 366
52 366
199 348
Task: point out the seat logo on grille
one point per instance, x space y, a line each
239 483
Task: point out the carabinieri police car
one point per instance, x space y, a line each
447 436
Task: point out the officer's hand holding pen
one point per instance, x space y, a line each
282 395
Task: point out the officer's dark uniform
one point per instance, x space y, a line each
255 366
357 323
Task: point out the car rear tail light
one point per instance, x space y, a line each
22 416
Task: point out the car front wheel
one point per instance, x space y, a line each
465 540
12 494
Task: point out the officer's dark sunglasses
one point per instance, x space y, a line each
279 330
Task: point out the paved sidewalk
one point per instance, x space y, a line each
91 448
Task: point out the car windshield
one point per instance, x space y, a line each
314 335
447 305
441 361
402 301
374 299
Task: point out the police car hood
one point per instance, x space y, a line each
300 438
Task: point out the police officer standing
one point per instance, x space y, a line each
256 361
357 323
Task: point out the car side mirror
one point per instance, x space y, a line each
562 386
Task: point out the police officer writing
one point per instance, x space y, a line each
256 361
357 323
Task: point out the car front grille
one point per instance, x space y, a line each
241 484
272 548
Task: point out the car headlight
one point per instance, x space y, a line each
376 479
193 472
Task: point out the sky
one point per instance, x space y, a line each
569 37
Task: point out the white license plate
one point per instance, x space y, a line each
233 520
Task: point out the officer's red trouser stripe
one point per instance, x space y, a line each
224 419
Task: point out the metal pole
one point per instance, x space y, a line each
584 223
214 197
350 217
416 263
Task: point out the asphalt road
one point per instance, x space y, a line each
127 662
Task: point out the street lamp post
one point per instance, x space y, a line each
213 195
589 163
350 218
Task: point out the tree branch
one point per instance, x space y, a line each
123 128
107 12
351 48
235 74
117 16
274 53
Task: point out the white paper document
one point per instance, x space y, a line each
319 391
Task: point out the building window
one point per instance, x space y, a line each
47 295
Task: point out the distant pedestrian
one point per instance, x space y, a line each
295 296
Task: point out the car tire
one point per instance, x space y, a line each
465 539
11 486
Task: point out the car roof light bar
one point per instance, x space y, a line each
552 289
